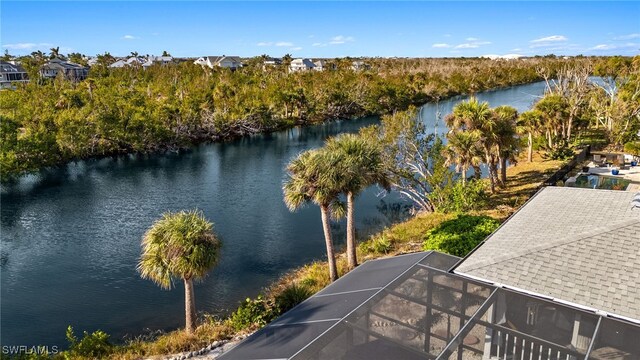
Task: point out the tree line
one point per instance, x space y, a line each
124 110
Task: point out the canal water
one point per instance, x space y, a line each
70 237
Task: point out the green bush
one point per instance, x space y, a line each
632 148
95 345
380 245
560 150
291 296
257 312
460 235
463 197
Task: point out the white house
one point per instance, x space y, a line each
118 64
132 61
229 62
162 60
359 65
301 65
320 65
92 61
271 62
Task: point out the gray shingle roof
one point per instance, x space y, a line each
573 244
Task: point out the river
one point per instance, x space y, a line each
70 237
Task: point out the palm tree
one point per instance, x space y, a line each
506 142
314 177
286 59
182 246
362 165
55 52
469 115
529 123
473 115
462 150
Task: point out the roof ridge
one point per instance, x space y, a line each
555 243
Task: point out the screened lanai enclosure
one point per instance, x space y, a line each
412 307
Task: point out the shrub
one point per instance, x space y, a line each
560 150
632 148
463 197
382 244
257 312
95 345
460 235
308 282
379 244
290 297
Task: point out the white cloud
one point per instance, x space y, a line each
552 38
296 48
603 47
340 39
26 46
319 44
615 46
549 41
441 45
471 39
130 37
472 45
505 56
627 37
271 43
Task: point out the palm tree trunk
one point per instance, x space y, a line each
493 174
530 150
503 171
464 175
351 233
333 270
477 172
189 306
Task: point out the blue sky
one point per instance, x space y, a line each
322 29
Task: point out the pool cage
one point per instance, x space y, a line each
411 307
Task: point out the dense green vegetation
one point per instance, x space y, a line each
460 235
574 106
46 123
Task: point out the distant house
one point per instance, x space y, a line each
301 65
271 62
118 64
320 65
229 62
71 71
92 61
359 65
161 60
132 61
11 73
